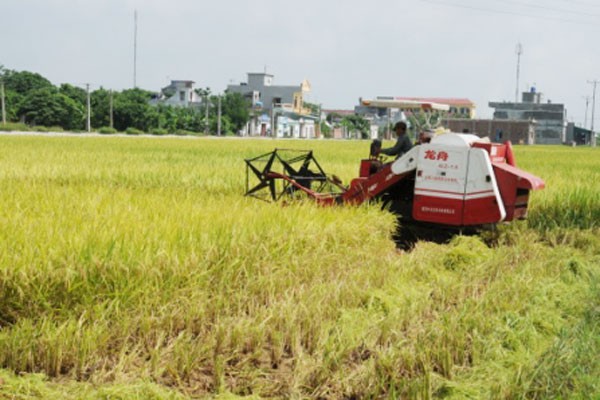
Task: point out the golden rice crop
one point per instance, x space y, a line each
134 267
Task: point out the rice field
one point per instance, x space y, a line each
136 268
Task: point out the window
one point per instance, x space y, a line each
182 95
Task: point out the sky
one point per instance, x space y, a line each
346 49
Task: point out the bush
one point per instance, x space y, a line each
183 132
107 130
40 128
159 131
13 126
56 129
134 131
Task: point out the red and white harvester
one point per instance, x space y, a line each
455 183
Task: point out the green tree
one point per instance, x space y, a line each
16 86
333 118
73 92
24 82
425 119
315 109
325 130
100 104
236 108
12 99
132 110
356 123
46 106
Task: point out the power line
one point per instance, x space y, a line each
506 12
584 3
560 10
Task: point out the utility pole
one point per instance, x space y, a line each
320 120
2 100
593 138
219 117
206 112
135 22
587 102
89 125
110 108
519 51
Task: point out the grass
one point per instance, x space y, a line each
134 267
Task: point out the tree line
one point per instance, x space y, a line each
31 99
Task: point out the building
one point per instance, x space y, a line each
497 130
277 110
179 94
578 136
549 117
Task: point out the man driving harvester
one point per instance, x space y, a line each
403 143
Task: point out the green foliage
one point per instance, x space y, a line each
107 130
236 108
100 107
356 123
183 132
75 93
326 130
49 107
315 109
12 103
24 82
132 110
134 131
425 119
159 131
12 126
33 98
227 127
334 118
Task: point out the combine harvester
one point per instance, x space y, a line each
457 183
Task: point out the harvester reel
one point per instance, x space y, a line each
271 176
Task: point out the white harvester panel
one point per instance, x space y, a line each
483 203
440 183
455 184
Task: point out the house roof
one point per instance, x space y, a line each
451 101
340 112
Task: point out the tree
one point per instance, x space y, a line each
100 104
24 82
73 92
333 118
131 109
356 123
48 107
325 130
425 119
315 109
236 108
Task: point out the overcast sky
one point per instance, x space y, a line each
346 49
